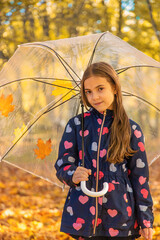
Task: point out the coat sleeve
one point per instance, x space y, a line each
67 161
139 177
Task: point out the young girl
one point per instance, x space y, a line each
114 153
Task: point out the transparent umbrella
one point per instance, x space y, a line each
40 92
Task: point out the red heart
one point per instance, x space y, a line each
144 192
137 133
86 114
83 199
80 220
77 226
113 232
68 144
147 223
112 213
66 167
129 210
135 225
111 187
99 221
105 130
142 180
141 146
101 174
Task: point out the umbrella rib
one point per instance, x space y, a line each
61 59
144 100
91 58
134 66
36 80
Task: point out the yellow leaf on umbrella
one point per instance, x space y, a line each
5 105
63 89
44 149
18 132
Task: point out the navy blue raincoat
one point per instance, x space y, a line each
127 205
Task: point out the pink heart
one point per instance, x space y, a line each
103 153
142 180
68 144
113 232
137 133
112 213
87 114
100 200
80 154
83 199
114 182
111 187
125 198
80 220
129 210
141 146
77 226
99 121
66 167
86 132
94 162
144 192
92 210
147 223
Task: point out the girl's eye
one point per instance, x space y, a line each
100 89
87 92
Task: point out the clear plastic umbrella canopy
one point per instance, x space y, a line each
40 92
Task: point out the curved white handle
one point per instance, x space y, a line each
94 194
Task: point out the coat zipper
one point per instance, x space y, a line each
97 173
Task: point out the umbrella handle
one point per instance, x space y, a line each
94 194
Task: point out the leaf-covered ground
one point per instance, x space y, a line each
31 208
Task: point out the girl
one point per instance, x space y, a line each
114 153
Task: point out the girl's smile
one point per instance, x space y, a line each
99 92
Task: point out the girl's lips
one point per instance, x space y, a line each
97 103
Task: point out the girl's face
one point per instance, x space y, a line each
99 93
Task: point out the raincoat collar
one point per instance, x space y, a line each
109 113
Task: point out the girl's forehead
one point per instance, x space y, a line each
95 81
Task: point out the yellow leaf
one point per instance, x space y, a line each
63 89
18 132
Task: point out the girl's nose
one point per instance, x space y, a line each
95 96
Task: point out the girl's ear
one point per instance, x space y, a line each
115 91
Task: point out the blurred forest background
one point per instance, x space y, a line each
31 208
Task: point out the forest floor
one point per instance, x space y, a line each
31 208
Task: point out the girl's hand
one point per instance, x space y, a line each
81 174
147 233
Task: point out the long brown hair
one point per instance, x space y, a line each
119 146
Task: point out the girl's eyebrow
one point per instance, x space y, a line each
101 85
